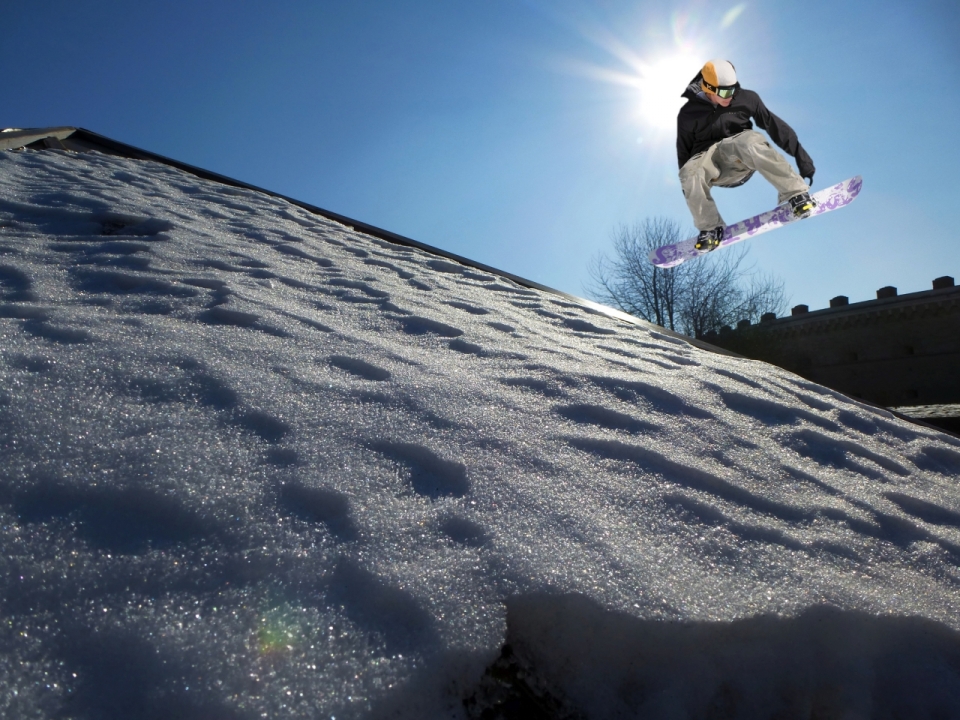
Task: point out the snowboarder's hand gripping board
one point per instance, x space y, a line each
830 199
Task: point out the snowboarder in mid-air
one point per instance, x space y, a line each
717 146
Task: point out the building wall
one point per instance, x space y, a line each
893 351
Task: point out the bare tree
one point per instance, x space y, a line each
693 298
629 281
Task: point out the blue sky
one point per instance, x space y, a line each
520 133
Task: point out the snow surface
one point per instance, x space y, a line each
256 464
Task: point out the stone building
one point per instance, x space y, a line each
899 351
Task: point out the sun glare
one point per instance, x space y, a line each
657 69
660 85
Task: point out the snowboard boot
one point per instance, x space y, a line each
709 240
802 205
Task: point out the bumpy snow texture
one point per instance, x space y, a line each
256 464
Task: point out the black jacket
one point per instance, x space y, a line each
700 124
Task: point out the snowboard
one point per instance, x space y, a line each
829 199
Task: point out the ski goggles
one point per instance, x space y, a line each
723 93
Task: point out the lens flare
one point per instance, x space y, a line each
279 630
731 16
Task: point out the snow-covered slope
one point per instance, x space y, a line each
256 464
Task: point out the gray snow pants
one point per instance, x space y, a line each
729 163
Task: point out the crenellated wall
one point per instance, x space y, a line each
897 350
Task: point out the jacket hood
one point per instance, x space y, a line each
693 89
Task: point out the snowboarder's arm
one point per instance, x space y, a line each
784 136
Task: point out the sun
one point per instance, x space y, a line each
660 84
657 63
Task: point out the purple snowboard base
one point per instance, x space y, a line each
829 199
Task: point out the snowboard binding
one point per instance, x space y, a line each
709 240
802 205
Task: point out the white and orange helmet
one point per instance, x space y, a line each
719 77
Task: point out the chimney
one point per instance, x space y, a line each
942 283
799 310
839 301
886 292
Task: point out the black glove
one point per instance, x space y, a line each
806 170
